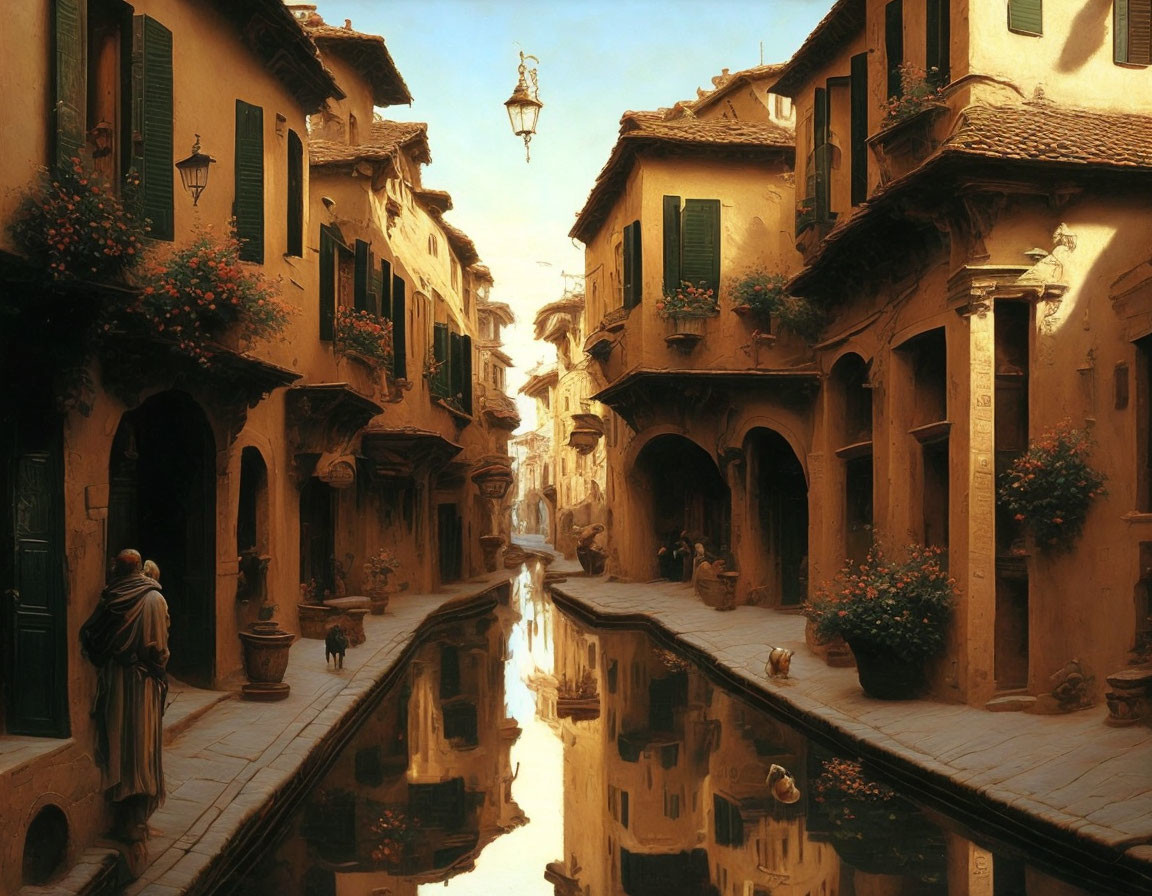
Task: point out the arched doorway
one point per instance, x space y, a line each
685 494
778 492
163 503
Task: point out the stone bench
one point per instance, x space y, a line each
317 619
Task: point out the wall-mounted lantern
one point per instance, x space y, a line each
194 171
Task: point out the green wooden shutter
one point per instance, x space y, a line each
249 208
399 329
360 277
629 266
821 153
858 129
68 109
671 243
440 353
700 243
894 45
1027 16
152 155
386 288
327 289
937 39
455 366
1132 29
466 372
295 195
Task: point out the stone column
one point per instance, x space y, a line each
973 557
969 868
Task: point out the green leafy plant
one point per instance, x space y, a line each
73 225
1050 487
919 90
764 295
380 565
364 333
688 301
900 605
197 293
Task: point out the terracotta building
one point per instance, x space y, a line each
260 465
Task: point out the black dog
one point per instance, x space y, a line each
335 643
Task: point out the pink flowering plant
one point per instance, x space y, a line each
365 334
764 295
72 224
903 605
919 90
688 300
1050 487
197 293
380 565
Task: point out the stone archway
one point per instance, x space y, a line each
677 488
163 503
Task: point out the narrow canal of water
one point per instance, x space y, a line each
523 752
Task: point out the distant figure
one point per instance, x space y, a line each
335 643
126 638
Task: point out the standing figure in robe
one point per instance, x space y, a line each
126 638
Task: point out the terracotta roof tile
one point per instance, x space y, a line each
369 55
655 130
386 138
725 83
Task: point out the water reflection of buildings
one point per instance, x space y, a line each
665 786
425 785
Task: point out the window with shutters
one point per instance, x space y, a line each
337 278
152 153
938 37
1132 32
109 70
451 382
858 128
295 210
399 314
1026 16
248 209
691 243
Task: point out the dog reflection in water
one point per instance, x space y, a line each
782 784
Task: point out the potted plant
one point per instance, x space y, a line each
266 648
378 569
686 307
763 296
894 614
365 335
919 91
1050 487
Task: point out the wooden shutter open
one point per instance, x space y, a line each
249 207
894 45
1132 29
671 243
295 211
700 243
1026 16
385 309
632 264
440 352
822 151
152 154
455 365
466 372
938 36
327 291
399 328
858 129
360 277
69 99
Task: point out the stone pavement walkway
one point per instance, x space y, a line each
228 762
1082 790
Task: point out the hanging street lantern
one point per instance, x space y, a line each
194 171
524 105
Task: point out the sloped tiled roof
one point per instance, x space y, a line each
1037 140
842 23
660 131
482 272
385 139
369 55
724 84
460 242
502 311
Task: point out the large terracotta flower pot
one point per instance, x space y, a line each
885 675
265 661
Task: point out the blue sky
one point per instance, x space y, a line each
597 60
